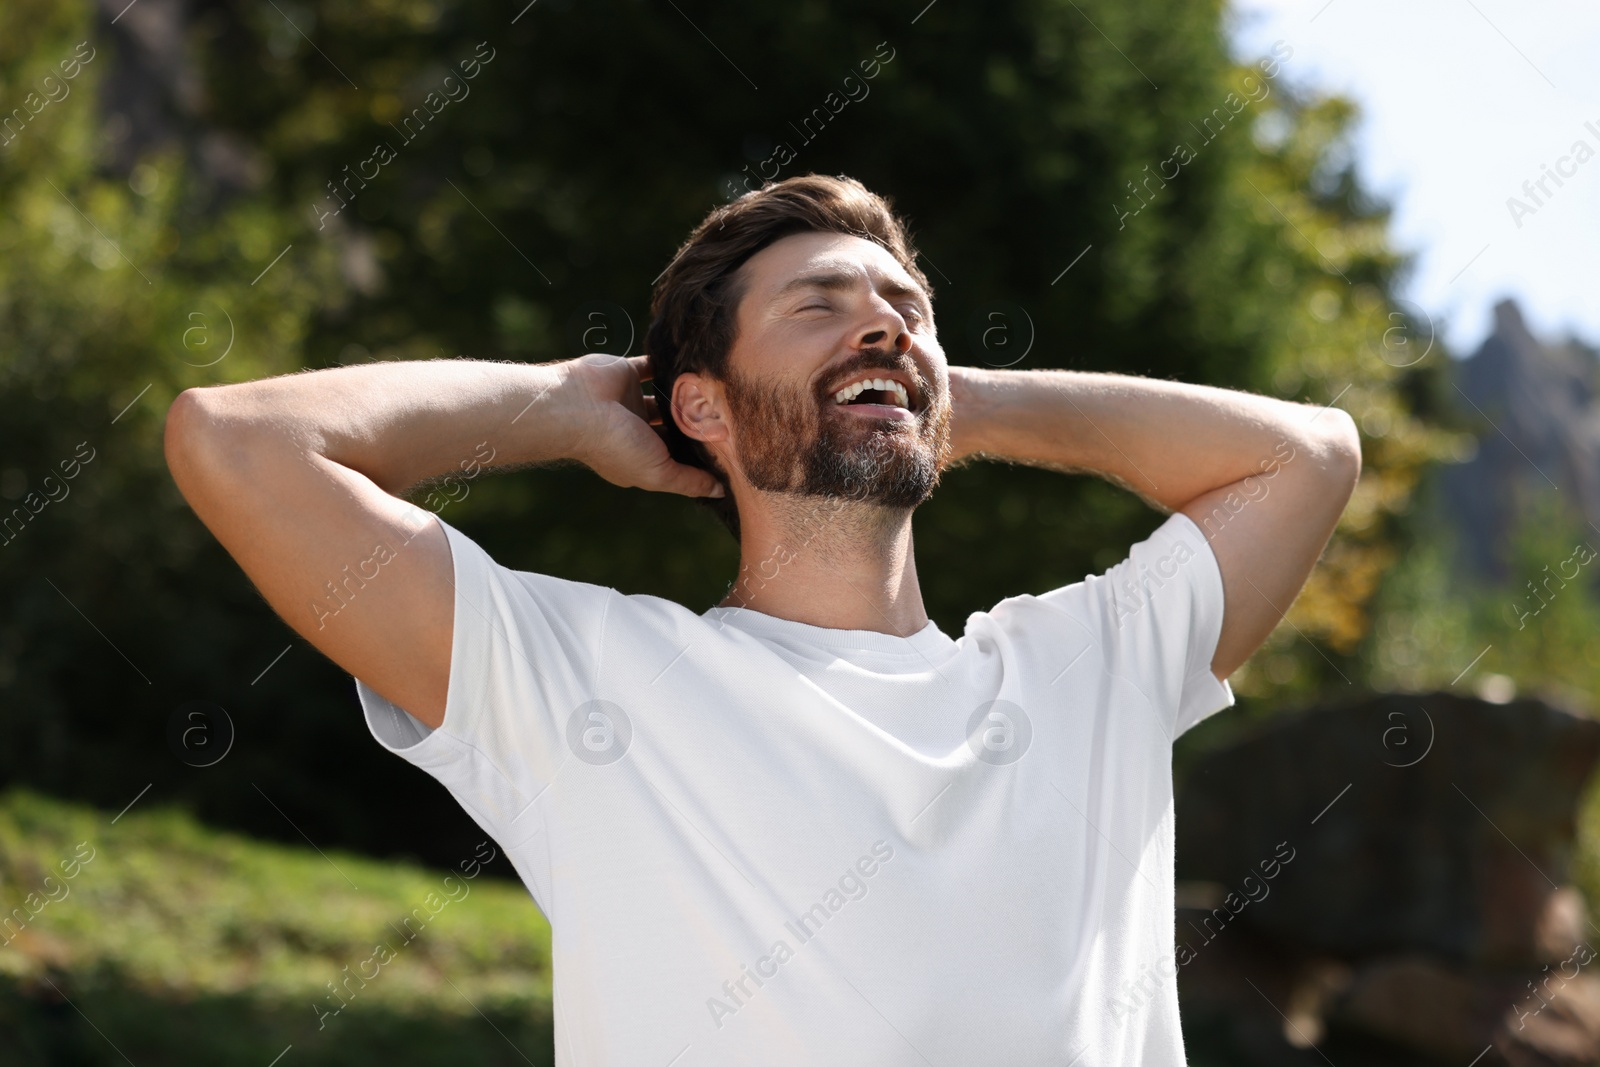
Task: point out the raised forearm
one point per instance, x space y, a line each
1169 442
402 423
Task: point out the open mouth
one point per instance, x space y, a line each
876 396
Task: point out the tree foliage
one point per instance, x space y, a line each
142 225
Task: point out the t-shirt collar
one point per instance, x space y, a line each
930 639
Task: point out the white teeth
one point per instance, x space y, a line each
850 392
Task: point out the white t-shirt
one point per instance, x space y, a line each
763 842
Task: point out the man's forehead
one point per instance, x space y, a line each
823 255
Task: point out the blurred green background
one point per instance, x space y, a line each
162 228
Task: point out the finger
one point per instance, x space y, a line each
697 482
652 410
634 402
688 481
641 366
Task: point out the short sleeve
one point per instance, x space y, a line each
1158 615
524 653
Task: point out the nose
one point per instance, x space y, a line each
902 339
883 323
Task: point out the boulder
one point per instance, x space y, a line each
1429 822
1391 877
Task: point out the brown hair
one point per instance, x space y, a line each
692 309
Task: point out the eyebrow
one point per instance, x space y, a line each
841 281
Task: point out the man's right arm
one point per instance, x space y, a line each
298 477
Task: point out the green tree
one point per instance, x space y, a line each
551 186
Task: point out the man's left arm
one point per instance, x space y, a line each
1264 479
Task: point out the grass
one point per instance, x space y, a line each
155 940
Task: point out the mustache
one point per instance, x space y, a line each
884 359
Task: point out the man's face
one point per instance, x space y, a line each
821 312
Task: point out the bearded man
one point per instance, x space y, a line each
804 825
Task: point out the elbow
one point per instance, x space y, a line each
1338 449
188 443
200 438
185 419
1346 445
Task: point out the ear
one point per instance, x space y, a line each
697 407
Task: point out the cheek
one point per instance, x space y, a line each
939 389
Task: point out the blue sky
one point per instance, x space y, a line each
1462 102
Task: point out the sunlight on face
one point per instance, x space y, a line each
809 298
818 311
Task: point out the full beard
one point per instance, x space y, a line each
795 444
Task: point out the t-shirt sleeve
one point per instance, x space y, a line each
1158 617
524 653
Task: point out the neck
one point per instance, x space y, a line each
843 565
